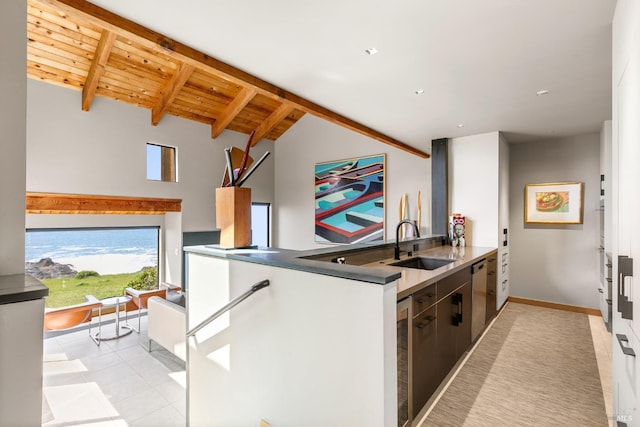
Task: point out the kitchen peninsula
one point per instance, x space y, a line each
316 347
21 329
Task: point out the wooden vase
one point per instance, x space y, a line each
233 216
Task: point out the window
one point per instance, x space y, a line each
260 224
101 262
161 163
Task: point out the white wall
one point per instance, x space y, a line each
313 140
309 350
473 186
20 323
503 192
557 263
13 27
103 151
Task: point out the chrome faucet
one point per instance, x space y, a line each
396 249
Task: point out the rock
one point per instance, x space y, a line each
46 268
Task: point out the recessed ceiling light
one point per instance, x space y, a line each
371 51
542 92
419 91
460 125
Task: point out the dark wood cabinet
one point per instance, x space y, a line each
463 332
441 333
424 298
492 281
454 328
424 352
448 284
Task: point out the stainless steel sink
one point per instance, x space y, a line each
422 263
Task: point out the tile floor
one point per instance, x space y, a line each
118 383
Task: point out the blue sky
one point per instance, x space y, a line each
154 162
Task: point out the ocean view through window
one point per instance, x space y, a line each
101 262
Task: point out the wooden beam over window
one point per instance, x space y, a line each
54 203
100 58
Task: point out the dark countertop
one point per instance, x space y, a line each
21 287
409 279
292 259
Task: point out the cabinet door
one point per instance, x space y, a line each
625 373
463 331
452 282
626 204
425 373
454 328
447 331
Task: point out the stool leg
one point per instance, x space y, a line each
96 337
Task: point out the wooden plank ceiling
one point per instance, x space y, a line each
78 45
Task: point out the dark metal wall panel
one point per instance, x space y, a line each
439 186
193 238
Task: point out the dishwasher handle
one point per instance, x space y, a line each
478 266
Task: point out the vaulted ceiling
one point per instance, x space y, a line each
78 45
531 69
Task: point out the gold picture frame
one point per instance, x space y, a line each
554 203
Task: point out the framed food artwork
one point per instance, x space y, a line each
349 197
554 203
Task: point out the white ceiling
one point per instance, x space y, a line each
479 62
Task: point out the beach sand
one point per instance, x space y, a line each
111 263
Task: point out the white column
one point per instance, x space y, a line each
13 123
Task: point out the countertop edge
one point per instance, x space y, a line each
296 260
20 288
290 259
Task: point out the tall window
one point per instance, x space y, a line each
101 262
161 163
260 224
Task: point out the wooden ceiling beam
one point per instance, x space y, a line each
170 92
100 59
154 40
54 203
271 122
233 109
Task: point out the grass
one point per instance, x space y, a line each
70 291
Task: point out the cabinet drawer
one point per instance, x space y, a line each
423 299
504 284
450 283
504 269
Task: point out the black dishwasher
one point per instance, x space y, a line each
478 297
